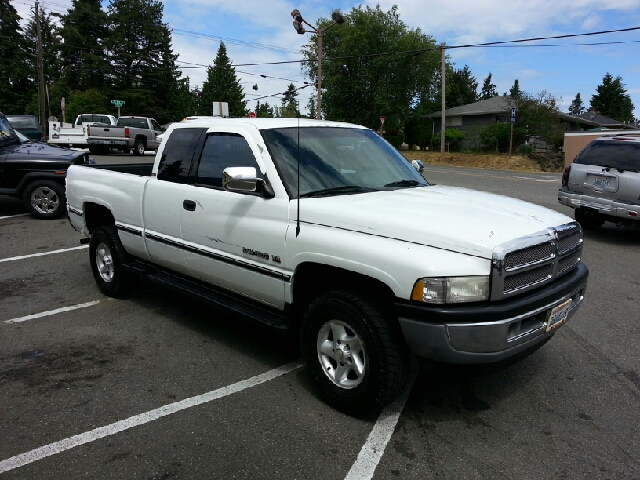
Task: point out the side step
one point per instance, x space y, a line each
234 304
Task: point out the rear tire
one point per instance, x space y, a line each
588 221
138 148
356 360
45 199
108 257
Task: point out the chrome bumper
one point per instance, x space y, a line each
602 205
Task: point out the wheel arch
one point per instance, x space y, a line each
96 215
312 279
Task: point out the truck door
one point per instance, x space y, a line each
163 199
234 240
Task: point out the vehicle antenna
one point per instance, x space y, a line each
298 222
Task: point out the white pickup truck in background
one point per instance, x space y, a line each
75 134
324 230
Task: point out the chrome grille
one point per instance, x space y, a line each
529 255
529 262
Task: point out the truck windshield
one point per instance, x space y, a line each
337 161
7 134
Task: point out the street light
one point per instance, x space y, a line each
298 21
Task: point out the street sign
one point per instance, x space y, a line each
118 103
382 119
513 114
252 114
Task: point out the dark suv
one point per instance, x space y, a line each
28 125
603 183
35 172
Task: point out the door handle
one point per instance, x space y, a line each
189 205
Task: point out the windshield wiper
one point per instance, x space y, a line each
404 183
338 191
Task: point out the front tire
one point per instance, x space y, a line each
354 357
45 199
588 221
108 257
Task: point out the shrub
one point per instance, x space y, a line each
452 136
496 136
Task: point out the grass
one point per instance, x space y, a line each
479 160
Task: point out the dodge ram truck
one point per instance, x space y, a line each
322 230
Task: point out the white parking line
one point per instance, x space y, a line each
52 312
137 420
373 449
22 257
17 215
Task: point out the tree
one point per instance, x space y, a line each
514 92
370 76
50 57
87 101
576 107
222 85
264 110
462 87
16 88
82 50
289 107
611 99
538 115
311 108
488 89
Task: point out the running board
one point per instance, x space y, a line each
234 304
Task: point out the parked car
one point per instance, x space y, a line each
28 125
75 134
603 183
137 133
35 172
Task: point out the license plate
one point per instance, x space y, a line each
601 181
559 315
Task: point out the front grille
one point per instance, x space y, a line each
528 255
529 262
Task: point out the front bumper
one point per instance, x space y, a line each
604 206
491 331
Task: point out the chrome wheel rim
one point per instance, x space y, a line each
45 200
104 262
341 354
141 149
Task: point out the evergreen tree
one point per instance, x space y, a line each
264 110
576 107
311 107
50 59
16 88
515 93
289 107
488 89
612 99
222 85
82 52
462 87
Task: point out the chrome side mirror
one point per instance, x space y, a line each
239 179
418 165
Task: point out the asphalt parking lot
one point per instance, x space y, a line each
159 386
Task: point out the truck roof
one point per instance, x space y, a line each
263 123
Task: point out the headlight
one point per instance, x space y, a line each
451 290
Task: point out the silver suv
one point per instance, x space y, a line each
603 183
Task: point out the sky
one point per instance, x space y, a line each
261 31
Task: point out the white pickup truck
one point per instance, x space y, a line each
324 230
75 134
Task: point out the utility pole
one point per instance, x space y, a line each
319 106
41 93
443 74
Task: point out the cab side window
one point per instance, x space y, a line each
222 150
178 154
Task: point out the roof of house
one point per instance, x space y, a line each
601 120
499 104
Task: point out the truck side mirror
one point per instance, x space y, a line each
245 180
418 165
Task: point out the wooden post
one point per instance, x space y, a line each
442 116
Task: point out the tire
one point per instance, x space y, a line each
138 148
588 221
45 199
108 257
367 367
94 150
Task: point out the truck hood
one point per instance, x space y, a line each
456 219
